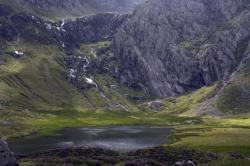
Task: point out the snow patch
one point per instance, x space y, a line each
90 81
18 53
72 73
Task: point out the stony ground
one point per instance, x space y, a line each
159 156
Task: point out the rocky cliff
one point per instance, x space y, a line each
92 28
176 46
28 27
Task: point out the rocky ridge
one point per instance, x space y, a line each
176 46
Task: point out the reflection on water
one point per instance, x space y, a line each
119 138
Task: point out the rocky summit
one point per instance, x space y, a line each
175 46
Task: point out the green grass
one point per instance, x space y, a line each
47 123
37 99
235 98
37 80
230 134
184 105
34 91
227 162
186 44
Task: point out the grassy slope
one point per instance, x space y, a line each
34 93
226 134
235 98
37 97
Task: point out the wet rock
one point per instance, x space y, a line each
6 156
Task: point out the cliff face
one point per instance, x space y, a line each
27 27
92 28
175 46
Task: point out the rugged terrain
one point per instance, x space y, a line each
173 47
178 63
62 9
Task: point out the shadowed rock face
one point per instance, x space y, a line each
6 156
92 28
26 26
174 46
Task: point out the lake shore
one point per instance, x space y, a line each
157 156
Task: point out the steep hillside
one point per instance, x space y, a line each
173 46
183 64
41 62
235 98
56 9
55 72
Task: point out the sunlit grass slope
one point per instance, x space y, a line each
35 93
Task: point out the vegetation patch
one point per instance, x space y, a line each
189 101
235 98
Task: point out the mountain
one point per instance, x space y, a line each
178 63
158 51
40 56
173 47
56 9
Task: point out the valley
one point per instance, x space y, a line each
95 67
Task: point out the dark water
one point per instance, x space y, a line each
119 138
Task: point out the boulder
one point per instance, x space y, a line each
185 163
156 105
6 156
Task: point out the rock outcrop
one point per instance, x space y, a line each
6 156
174 46
28 27
92 28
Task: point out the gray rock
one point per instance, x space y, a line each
190 163
174 46
235 156
6 156
185 163
156 105
178 163
92 28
